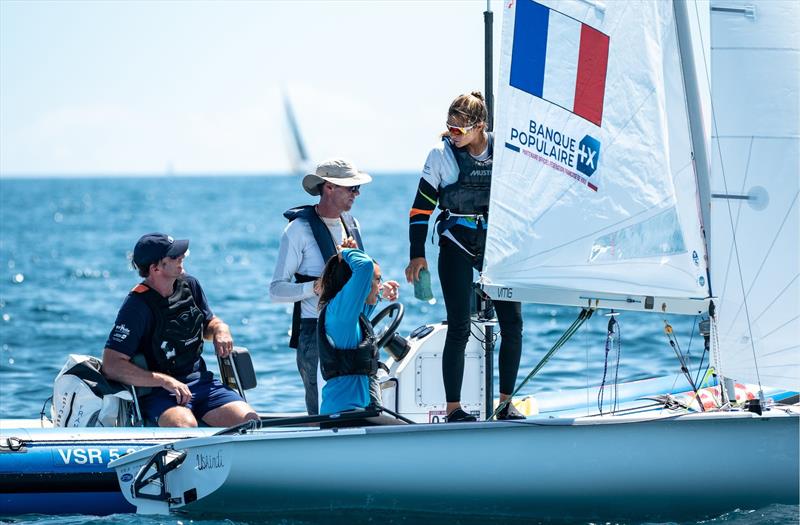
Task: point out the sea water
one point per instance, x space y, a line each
65 247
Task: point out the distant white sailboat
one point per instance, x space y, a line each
603 197
299 160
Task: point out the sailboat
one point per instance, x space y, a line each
629 175
299 159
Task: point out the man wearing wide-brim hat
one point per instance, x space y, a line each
339 172
308 241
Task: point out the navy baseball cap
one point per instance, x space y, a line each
153 247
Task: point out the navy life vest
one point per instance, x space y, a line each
177 340
335 362
469 195
327 247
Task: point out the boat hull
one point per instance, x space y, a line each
65 471
608 469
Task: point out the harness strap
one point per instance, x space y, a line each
327 248
294 339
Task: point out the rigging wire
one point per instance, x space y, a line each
613 336
586 346
480 334
585 314
673 342
701 372
42 415
712 315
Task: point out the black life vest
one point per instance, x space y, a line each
335 362
327 248
177 339
469 195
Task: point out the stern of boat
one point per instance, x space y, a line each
166 477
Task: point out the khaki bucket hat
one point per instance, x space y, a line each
336 171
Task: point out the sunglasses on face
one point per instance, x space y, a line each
351 189
458 130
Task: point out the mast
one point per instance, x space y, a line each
700 143
488 89
700 154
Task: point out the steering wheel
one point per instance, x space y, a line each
394 312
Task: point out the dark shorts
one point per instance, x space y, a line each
208 394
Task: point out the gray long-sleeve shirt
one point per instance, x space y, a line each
299 253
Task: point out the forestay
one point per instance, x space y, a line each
594 193
755 186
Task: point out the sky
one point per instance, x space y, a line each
190 87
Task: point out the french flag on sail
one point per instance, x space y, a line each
559 59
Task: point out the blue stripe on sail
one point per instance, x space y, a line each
512 147
530 47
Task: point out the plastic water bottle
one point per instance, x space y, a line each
422 286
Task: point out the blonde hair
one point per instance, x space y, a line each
471 107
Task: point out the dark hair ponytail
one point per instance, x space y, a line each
335 275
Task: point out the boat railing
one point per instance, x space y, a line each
373 415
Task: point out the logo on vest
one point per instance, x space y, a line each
169 352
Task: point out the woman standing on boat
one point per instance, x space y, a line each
457 175
348 354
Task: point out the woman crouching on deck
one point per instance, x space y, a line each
348 355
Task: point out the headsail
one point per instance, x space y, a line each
594 191
756 190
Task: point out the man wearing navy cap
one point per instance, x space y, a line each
165 318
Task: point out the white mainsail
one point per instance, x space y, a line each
594 193
755 70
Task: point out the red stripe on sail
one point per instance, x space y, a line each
590 87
